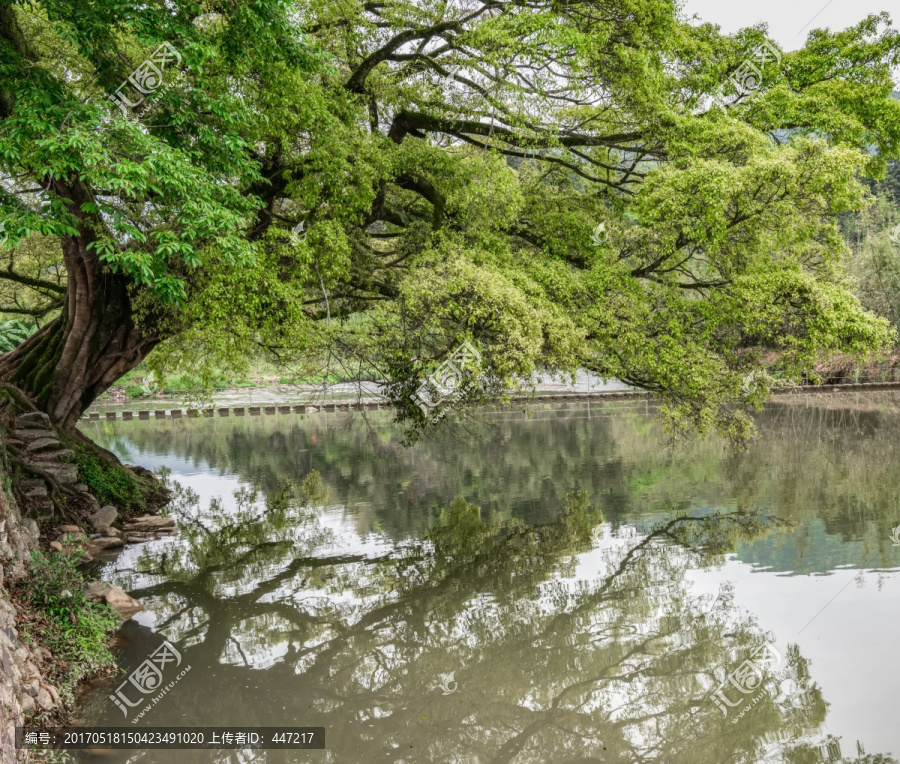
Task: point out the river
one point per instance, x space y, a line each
560 585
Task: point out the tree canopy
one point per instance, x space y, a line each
381 182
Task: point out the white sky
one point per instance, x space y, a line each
787 19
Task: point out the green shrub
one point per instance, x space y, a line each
75 630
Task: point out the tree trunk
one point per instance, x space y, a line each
93 342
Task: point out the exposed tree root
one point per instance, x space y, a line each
14 403
59 493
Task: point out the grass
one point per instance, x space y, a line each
56 615
110 484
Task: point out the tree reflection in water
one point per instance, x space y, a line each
554 662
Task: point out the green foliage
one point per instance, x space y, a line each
109 483
437 209
12 334
874 258
462 534
74 629
313 488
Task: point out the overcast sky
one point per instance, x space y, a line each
786 18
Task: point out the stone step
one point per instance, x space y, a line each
108 542
37 491
149 522
43 508
43 444
63 456
34 420
64 473
30 435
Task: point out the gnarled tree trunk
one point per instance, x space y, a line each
93 342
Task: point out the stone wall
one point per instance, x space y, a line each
23 690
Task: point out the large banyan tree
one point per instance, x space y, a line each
597 183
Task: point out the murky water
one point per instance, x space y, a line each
567 589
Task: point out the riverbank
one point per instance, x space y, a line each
65 506
264 387
283 402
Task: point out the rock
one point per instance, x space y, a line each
71 529
81 488
27 704
149 522
114 532
38 492
64 473
53 693
138 538
33 420
108 542
31 528
103 591
30 669
44 700
55 545
11 635
43 444
43 509
6 661
71 541
32 688
103 517
30 435
62 455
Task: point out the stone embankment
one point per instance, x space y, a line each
26 697
336 406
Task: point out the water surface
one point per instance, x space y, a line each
588 586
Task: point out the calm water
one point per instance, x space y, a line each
588 587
